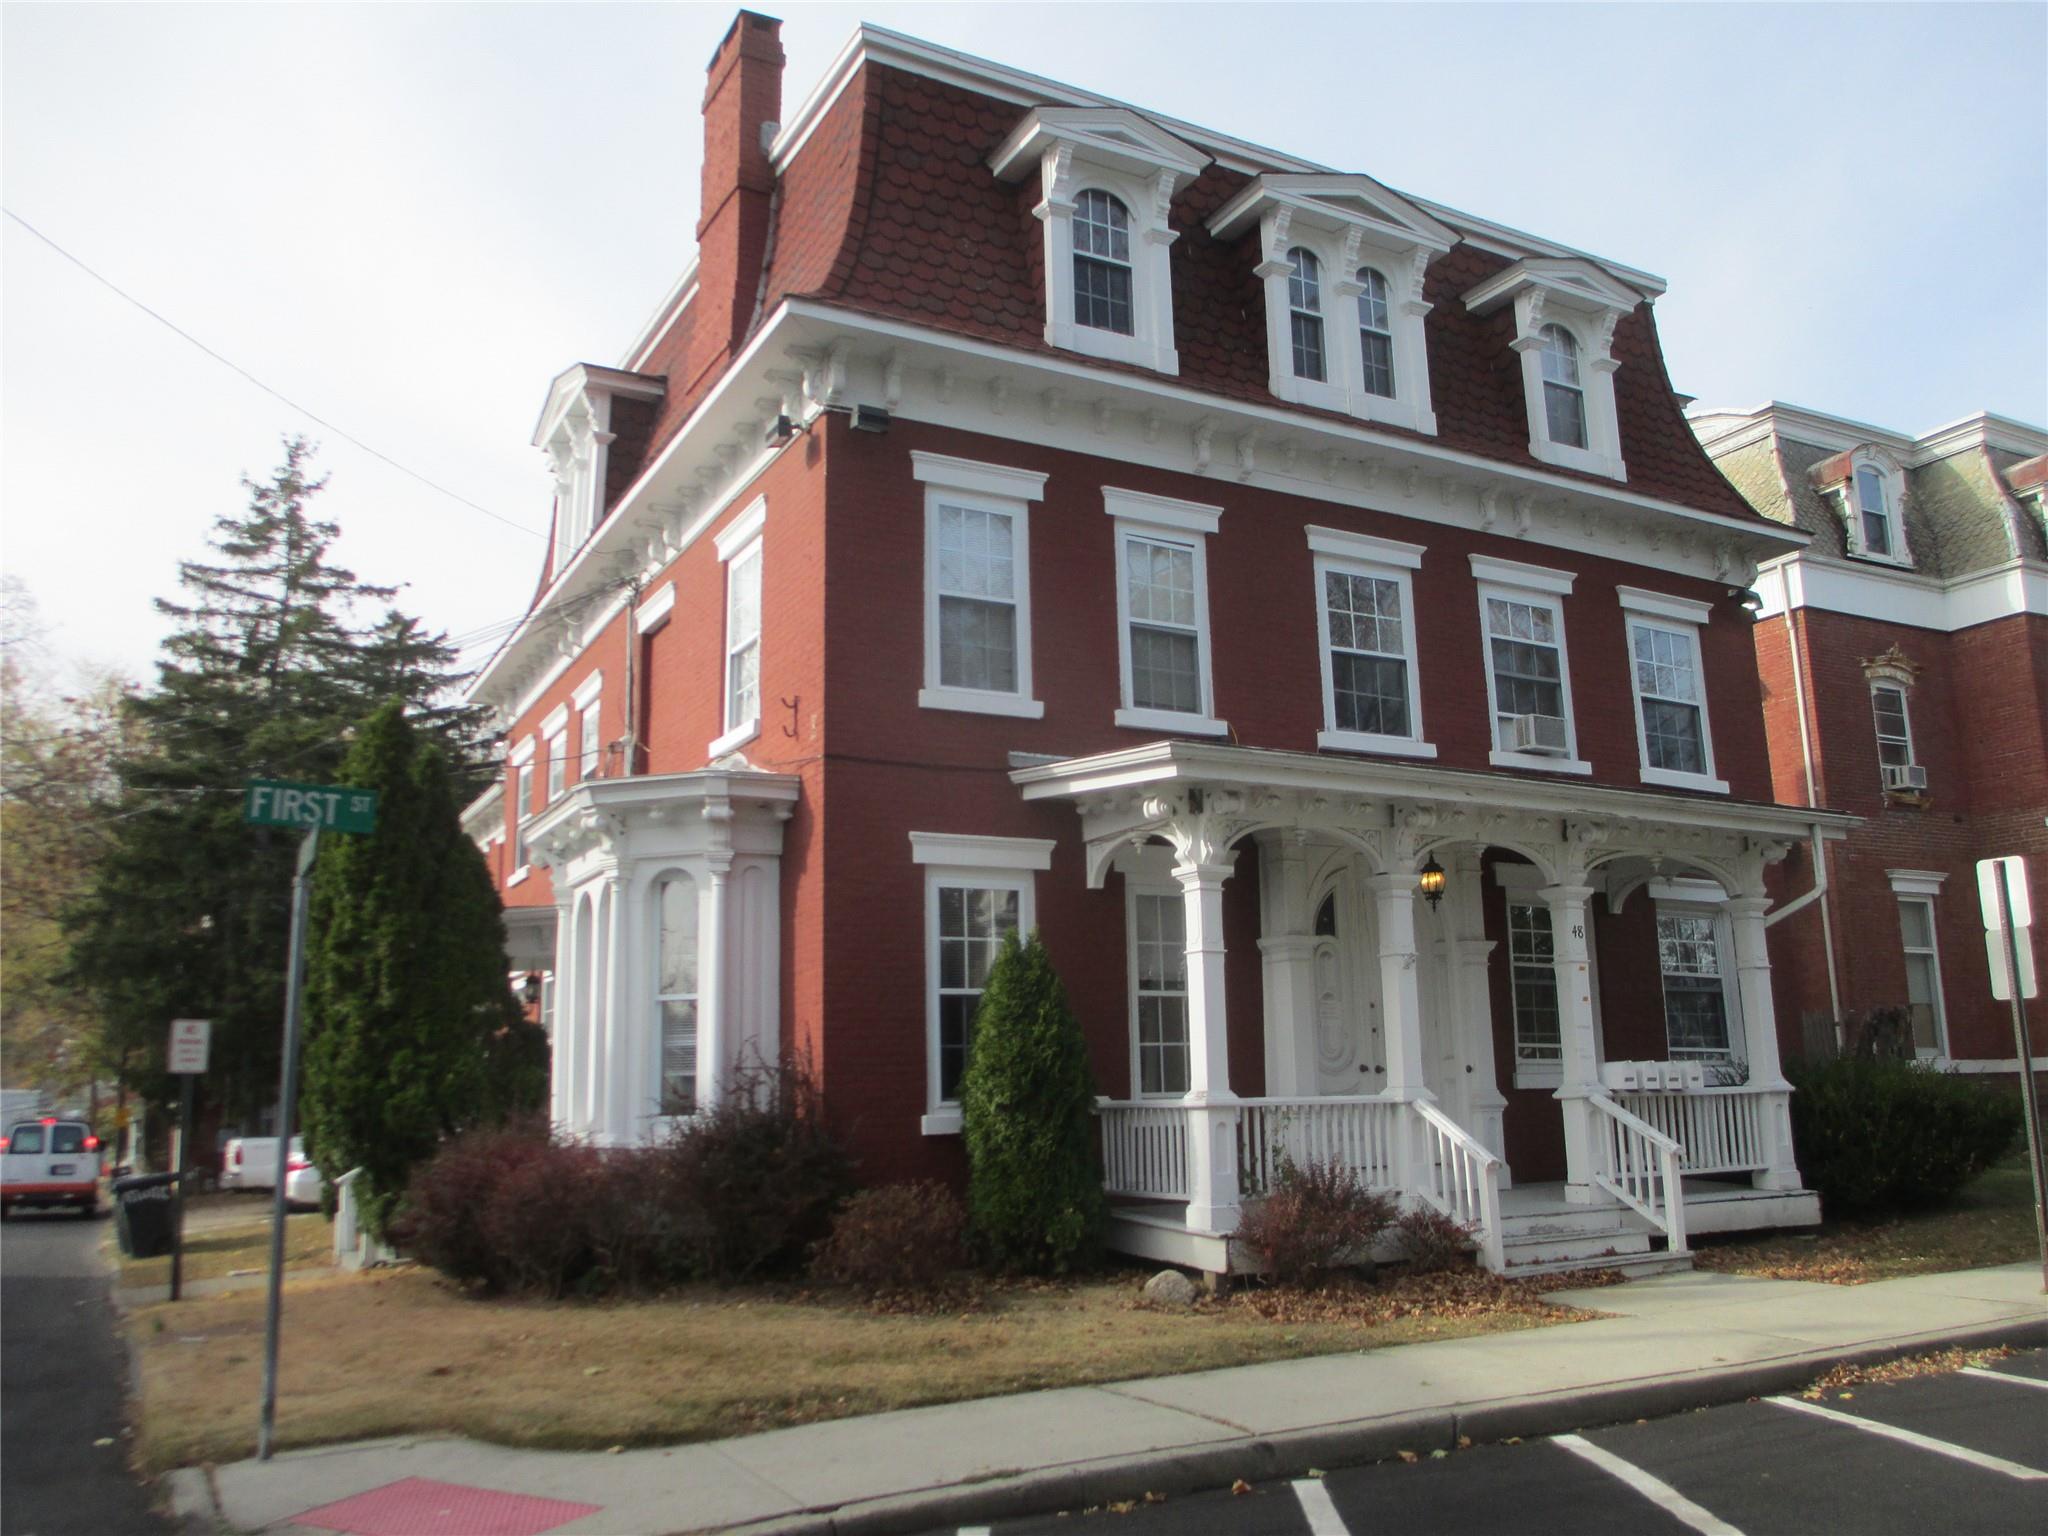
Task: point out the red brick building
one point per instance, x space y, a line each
1303 604
1904 659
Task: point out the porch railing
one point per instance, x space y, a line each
1353 1132
1640 1166
1718 1130
1461 1178
1144 1149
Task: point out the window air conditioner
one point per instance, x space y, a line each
1909 776
1536 733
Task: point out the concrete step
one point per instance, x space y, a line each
1575 1248
1634 1265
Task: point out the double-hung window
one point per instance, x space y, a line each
739 546
1156 919
1102 263
1896 765
978 892
1696 1010
675 992
977 619
1375 333
555 732
1873 510
1916 891
1670 690
1305 314
519 803
1528 673
1163 612
589 727
1365 609
1532 962
1564 397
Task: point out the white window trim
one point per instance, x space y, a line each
984 863
1916 882
1139 514
1530 1074
990 488
520 761
587 691
1134 887
558 761
1923 887
1849 507
1904 692
1686 898
1118 152
1523 885
652 614
1676 615
1359 554
1587 303
738 540
1534 585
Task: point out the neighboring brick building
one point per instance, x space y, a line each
1904 657
1029 512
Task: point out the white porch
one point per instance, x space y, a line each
1408 1006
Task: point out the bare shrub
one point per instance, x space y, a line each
897 1239
1317 1218
1432 1241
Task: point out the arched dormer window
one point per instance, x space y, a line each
1375 333
1564 397
1305 314
1874 512
1102 263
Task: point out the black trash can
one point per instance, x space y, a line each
143 1213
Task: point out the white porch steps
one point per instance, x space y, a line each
1553 1236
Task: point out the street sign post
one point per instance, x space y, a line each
185 1059
2009 941
316 808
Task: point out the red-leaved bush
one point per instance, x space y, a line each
1432 1241
897 1240
1318 1217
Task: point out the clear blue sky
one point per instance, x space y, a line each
408 218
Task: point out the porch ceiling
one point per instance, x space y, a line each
1398 811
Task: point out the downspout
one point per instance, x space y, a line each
1819 892
632 627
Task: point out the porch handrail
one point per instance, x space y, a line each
1718 1130
1144 1148
1641 1167
1354 1131
1461 1178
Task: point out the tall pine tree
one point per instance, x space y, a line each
412 1032
276 652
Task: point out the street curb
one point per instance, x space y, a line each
1191 1469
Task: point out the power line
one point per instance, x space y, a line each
235 367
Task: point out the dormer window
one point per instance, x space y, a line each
1107 178
575 431
1102 263
1874 511
1305 314
1866 488
1565 311
1343 265
1375 334
1564 399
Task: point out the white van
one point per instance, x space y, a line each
48 1161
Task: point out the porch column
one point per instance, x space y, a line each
1211 1106
562 1044
1287 951
1400 993
597 1017
625 1016
1760 1042
1472 986
713 1058
1581 1080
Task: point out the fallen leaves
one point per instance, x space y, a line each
1428 1299
1884 1373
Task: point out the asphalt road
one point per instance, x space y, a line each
1765 1468
63 1376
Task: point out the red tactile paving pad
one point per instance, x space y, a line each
419 1506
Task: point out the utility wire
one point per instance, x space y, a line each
235 367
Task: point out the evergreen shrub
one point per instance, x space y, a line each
1034 1191
1876 1135
1318 1217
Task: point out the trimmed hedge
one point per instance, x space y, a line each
1876 1135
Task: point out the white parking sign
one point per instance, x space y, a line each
189 1041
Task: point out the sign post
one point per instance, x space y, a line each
185 1059
2009 942
314 808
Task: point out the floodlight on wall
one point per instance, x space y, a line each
869 418
781 432
1431 880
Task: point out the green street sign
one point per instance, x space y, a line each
327 807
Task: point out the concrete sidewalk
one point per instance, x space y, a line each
1673 1342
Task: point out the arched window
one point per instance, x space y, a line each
1375 333
1874 510
1326 917
675 993
1305 303
1564 400
1102 263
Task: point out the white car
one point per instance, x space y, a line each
303 1185
250 1162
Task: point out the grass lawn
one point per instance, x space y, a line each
390 1352
233 1240
1991 1222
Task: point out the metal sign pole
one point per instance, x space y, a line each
287 1092
178 1189
2024 1048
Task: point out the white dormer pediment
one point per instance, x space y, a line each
1565 281
1110 136
1334 204
577 387
575 431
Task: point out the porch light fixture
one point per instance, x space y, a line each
1432 882
529 989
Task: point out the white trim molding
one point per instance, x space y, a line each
1916 882
1177 528
998 498
653 613
1539 589
1678 621
587 691
966 850
1356 559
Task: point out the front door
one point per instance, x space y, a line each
1350 1052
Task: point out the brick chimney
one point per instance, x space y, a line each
742 97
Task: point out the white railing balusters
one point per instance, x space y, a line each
1461 1178
1642 1167
1144 1149
1721 1130
1353 1132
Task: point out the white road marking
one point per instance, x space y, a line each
1655 1489
2018 1381
1924 1442
973 1530
1323 1519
